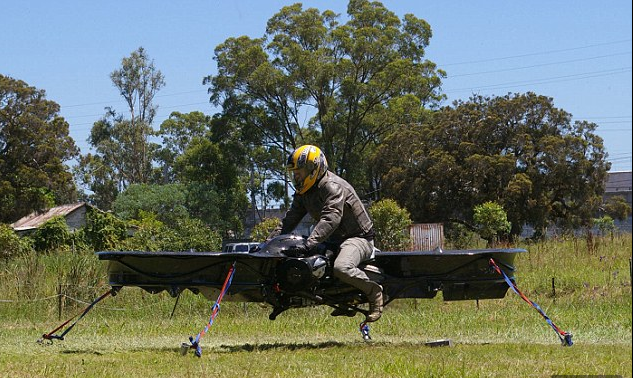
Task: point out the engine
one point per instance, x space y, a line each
297 272
301 274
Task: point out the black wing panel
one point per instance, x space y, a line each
459 274
200 272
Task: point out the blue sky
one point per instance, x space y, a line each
576 52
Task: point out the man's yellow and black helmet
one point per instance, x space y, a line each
311 161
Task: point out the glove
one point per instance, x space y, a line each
300 250
320 249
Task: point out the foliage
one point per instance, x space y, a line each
616 207
124 153
517 150
391 224
210 171
34 147
168 202
11 245
354 78
53 234
460 236
150 234
186 235
263 229
103 231
605 224
194 235
492 221
178 133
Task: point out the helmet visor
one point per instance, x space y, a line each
298 176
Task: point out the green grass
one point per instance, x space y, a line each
134 335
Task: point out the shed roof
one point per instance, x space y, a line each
36 219
618 182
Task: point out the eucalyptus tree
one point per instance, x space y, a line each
329 83
34 148
177 133
516 150
123 153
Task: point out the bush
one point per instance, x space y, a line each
458 236
103 231
491 221
54 234
263 229
11 245
391 223
606 224
187 235
194 235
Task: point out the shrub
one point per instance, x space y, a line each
103 230
459 236
54 234
263 229
491 220
606 224
193 234
11 245
391 223
187 235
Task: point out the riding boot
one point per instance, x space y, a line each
375 303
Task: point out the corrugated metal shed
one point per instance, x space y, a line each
74 214
618 182
426 236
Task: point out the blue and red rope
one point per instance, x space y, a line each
565 337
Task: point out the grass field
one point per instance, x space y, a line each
583 286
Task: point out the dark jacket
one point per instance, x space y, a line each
336 207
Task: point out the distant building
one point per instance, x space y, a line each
75 215
619 184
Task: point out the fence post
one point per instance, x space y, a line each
59 301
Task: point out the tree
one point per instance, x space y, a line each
517 150
168 202
178 132
234 134
104 231
346 77
605 224
214 158
186 235
210 169
34 147
123 153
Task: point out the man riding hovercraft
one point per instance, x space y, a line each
341 217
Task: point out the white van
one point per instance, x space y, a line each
242 247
